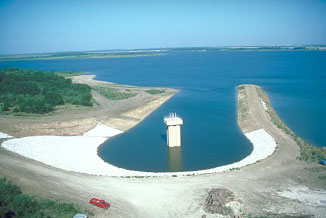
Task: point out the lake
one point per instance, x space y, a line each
294 81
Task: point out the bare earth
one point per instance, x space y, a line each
279 184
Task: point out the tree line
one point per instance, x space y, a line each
32 91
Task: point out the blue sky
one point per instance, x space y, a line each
77 25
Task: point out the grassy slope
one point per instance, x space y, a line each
114 94
307 152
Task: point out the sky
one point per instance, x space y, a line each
37 26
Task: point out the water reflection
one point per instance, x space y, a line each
174 159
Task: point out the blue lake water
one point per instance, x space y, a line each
294 81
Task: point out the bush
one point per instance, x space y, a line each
13 202
155 91
54 98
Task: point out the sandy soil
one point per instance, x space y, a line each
261 187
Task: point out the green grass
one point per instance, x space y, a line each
155 91
242 105
12 200
66 107
114 94
323 177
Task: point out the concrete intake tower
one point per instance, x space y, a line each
173 123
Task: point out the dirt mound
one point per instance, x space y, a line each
217 199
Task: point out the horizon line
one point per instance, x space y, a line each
164 48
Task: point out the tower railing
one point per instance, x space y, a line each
173 116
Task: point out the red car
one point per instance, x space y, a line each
99 203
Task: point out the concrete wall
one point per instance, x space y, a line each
173 136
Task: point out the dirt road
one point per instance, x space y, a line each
259 186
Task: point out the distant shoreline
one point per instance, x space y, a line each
150 52
60 57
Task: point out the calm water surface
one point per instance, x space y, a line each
294 81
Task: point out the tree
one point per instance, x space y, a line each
5 106
54 98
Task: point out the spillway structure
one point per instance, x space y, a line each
173 135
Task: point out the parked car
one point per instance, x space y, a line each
99 203
323 162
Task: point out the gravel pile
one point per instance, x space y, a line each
217 199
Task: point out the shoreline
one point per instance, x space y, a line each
263 146
138 113
38 147
49 57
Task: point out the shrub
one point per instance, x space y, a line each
155 91
13 202
113 94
